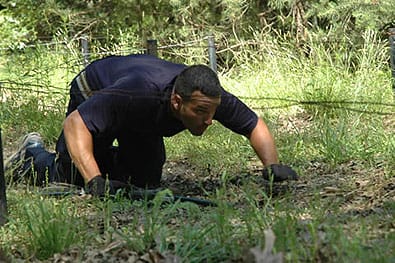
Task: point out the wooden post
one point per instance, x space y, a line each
212 53
85 50
3 197
152 47
391 33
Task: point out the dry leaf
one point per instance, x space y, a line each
266 256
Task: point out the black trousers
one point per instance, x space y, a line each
139 163
137 160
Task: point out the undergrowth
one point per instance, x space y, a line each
325 115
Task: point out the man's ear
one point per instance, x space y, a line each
176 101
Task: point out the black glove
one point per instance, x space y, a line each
99 186
279 172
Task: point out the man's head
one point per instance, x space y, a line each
195 98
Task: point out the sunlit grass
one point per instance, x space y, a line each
308 225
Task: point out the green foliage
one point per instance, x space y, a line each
217 151
354 15
40 19
332 104
25 21
12 33
36 90
54 227
159 19
156 213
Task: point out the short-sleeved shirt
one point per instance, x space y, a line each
132 97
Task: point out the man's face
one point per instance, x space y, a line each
197 113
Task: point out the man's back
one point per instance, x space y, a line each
109 71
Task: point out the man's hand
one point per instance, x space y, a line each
279 173
99 186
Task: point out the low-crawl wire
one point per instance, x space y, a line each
290 102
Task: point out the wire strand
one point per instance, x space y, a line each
290 102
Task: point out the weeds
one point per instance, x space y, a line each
333 128
53 227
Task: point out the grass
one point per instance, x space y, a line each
53 227
341 209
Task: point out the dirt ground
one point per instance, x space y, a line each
365 192
362 192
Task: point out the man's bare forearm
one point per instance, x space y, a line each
263 143
80 146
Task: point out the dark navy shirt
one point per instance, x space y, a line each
132 96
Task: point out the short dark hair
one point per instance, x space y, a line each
197 77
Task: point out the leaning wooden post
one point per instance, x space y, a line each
212 53
152 47
391 33
3 197
85 50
